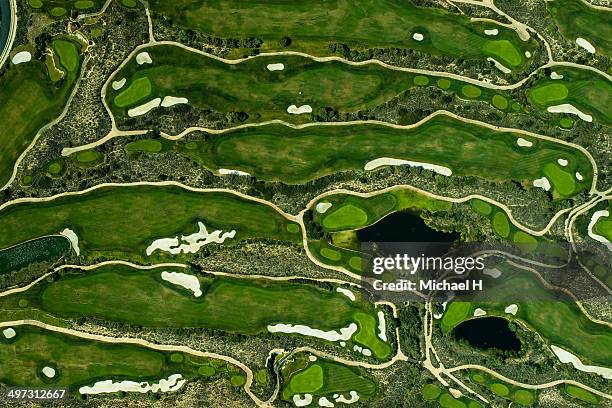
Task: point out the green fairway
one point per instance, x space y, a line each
576 19
123 221
324 378
79 362
277 153
361 24
581 394
250 87
563 181
118 293
30 100
587 91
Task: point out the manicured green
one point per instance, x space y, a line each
520 396
576 18
523 397
206 371
448 401
501 225
471 91
307 381
35 3
456 312
123 221
499 102
346 217
83 4
129 3
360 24
54 168
481 207
550 92
138 90
368 335
567 123
293 228
57 11
144 145
237 380
563 182
581 394
431 392
500 389
443 83
331 254
61 8
421 80
521 237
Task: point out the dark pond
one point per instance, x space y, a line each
5 23
403 226
487 333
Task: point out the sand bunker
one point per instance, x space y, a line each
324 402
312 358
22 56
173 100
49 372
145 108
493 31
117 85
143 58
185 280
527 54
225 172
72 237
365 351
562 162
579 176
193 243
9 333
479 312
585 44
499 66
345 333
354 397
594 218
382 326
300 401
567 357
492 272
276 67
542 182
554 75
567 108
418 36
512 309
322 207
523 142
173 383
294 110
346 293
455 392
386 161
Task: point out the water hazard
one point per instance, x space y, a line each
488 333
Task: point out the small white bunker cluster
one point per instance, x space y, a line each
295 110
191 243
173 383
307 399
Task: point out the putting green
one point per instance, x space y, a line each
500 389
87 156
83 4
581 394
563 182
145 145
330 254
567 123
443 83
35 3
448 401
550 92
431 392
54 168
138 90
499 102
359 24
501 225
307 381
481 207
603 227
58 11
367 335
346 217
455 313
421 80
68 54
524 398
471 91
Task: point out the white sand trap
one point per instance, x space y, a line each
455 393
382 326
542 183
173 100
173 383
512 309
357 348
144 108
523 142
345 333
354 397
418 36
22 56
9 333
300 401
312 358
193 243
366 352
493 31
492 272
343 343
387 161
322 207
185 280
567 357
562 162
294 110
579 176
554 75
225 172
72 237
349 294
527 54
479 312
568 108
117 85
143 58
499 66
276 67
585 44
594 218
438 316
49 372
324 402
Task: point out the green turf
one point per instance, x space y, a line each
293 228
443 83
501 225
567 123
35 3
87 156
563 182
576 19
481 207
368 335
68 54
479 378
237 380
83 4
471 91
421 80
331 254
447 401
30 100
123 221
431 392
139 89
456 312
206 371
277 153
603 227
499 102
548 93
57 11
307 381
581 394
359 24
144 145
500 389
521 237
346 217
129 3
55 168
523 397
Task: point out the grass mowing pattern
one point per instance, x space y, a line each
360 24
30 100
277 153
122 221
80 362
